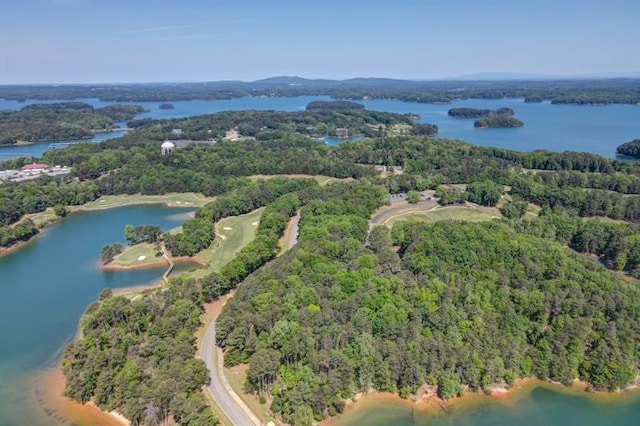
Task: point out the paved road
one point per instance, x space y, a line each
392 209
229 402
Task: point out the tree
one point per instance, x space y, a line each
514 209
413 197
60 210
130 234
485 193
109 251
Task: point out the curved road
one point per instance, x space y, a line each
399 208
229 402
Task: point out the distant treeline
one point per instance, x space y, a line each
333 106
65 120
603 91
477 113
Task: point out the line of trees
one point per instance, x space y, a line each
602 91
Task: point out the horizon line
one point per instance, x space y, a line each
478 76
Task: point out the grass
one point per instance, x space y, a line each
129 257
187 199
44 218
469 214
228 242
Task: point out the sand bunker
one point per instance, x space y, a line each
226 228
142 257
256 223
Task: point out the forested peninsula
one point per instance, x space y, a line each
65 120
631 149
453 305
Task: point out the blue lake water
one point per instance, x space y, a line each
598 129
46 285
542 405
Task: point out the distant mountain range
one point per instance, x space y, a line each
482 76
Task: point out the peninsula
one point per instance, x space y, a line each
64 120
630 149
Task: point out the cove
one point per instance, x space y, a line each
47 284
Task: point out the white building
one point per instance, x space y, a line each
167 147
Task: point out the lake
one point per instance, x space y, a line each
597 129
47 284
534 405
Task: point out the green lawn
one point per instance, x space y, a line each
44 218
187 199
240 231
469 214
130 256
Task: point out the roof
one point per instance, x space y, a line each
168 144
35 166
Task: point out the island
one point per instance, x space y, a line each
630 149
497 122
333 105
479 113
166 106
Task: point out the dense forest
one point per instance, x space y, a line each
595 91
631 149
458 306
478 113
586 184
65 120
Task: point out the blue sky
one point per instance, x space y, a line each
85 41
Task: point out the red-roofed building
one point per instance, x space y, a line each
35 167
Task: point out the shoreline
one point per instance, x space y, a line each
156 263
427 403
48 394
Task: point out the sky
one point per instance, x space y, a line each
107 41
